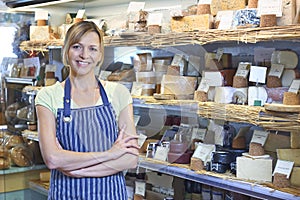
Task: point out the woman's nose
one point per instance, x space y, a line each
84 53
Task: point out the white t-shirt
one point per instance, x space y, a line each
52 97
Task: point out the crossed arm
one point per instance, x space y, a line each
123 154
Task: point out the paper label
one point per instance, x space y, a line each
276 70
204 1
140 188
199 133
136 119
154 19
135 6
266 7
284 167
203 86
80 14
41 15
225 18
32 62
243 69
204 151
136 89
161 153
220 52
295 86
213 78
258 74
142 138
260 137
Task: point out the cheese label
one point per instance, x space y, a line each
154 19
161 153
141 140
204 151
135 6
204 1
266 7
243 69
295 86
199 133
203 86
276 70
284 167
140 188
258 74
260 137
80 13
41 15
225 18
219 54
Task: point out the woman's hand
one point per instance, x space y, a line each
122 145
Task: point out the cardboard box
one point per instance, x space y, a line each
39 32
192 23
254 169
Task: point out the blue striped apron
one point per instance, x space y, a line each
91 129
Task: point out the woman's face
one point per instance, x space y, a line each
85 55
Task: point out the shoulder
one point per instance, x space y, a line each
115 87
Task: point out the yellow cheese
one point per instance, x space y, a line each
178 85
276 141
218 5
289 155
295 177
295 140
192 23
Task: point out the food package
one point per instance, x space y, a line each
246 18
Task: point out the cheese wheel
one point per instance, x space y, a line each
288 76
288 58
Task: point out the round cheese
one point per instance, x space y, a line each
286 57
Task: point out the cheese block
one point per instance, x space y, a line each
288 76
295 177
290 155
224 94
201 96
212 63
178 85
288 13
257 93
291 98
288 58
218 5
276 94
239 82
273 82
277 141
281 181
192 23
295 140
39 32
254 169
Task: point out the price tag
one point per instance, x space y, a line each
284 167
136 89
199 133
204 151
203 86
135 6
219 54
266 7
260 137
80 14
243 69
140 188
295 86
204 1
154 19
276 70
141 140
41 15
161 153
258 74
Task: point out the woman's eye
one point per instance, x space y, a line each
76 46
94 49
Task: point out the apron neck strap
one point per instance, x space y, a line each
67 98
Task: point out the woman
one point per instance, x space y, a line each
86 130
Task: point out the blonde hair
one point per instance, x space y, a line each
74 34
